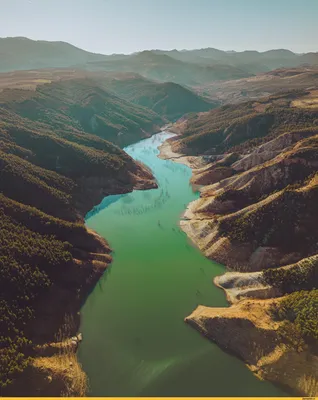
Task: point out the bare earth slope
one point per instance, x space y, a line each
257 214
263 84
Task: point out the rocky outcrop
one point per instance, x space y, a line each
219 220
247 330
269 150
210 175
240 285
255 215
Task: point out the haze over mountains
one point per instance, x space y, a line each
66 114
188 67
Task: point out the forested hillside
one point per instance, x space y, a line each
167 99
74 106
52 171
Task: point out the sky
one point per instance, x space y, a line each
126 26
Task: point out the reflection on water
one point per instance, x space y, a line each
135 341
106 202
152 203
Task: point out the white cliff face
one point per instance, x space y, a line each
268 150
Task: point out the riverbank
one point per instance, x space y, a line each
57 363
135 342
166 153
54 369
246 328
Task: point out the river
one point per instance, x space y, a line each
135 342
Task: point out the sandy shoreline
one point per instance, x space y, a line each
166 153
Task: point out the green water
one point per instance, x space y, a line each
135 341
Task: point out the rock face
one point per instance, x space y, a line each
238 285
221 220
248 331
235 329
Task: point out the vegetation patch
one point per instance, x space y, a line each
299 315
300 276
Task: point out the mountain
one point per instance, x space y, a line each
194 55
251 61
20 53
256 214
59 133
82 105
167 99
163 101
163 68
185 67
309 59
264 84
55 165
240 126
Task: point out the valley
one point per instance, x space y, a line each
146 194
135 340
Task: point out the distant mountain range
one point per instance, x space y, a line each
163 68
66 114
186 67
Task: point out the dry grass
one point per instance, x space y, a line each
310 101
309 383
62 365
264 352
29 80
265 84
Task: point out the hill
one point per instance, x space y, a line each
167 99
52 171
241 126
251 61
163 68
264 84
20 53
55 165
256 214
83 105
185 67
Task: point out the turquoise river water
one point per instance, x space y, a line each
135 342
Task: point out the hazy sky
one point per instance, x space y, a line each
125 26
